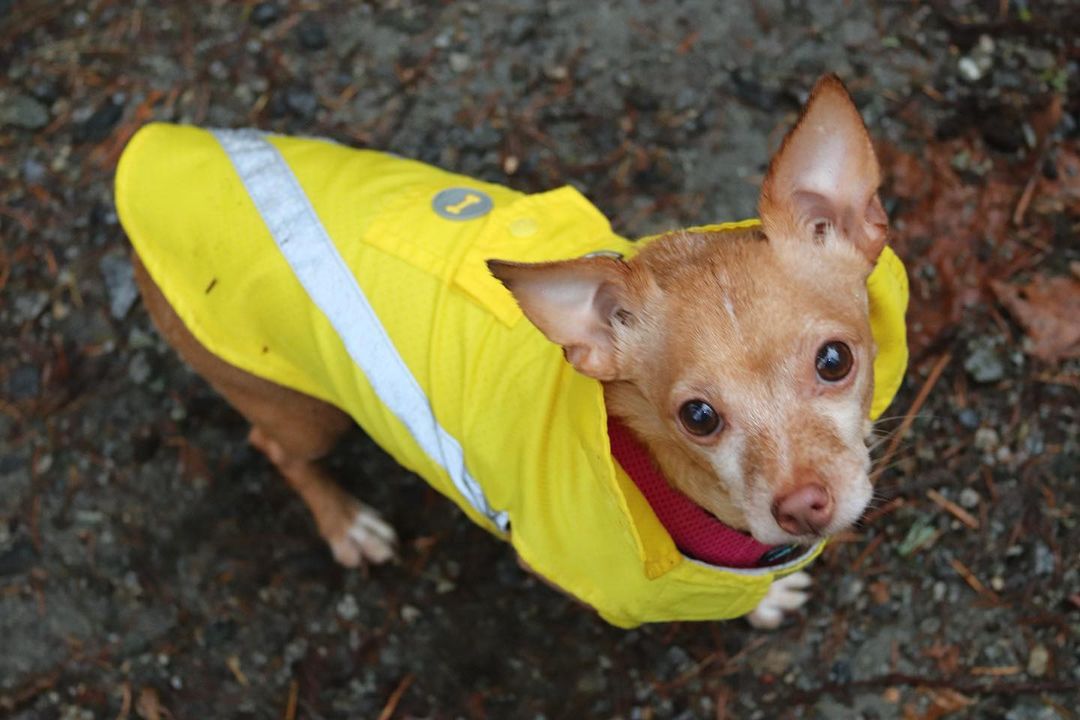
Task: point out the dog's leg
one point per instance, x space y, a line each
292 429
786 594
354 531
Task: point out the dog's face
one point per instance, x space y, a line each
744 359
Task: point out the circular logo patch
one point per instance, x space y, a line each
461 203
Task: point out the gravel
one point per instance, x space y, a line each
147 553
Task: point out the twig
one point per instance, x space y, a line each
958 512
996 670
29 690
969 577
875 515
965 685
395 697
233 663
290 702
1025 199
867 552
125 701
730 664
913 411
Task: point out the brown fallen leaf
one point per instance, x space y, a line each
1049 310
945 702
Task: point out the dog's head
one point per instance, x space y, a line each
744 360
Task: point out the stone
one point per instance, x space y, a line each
24 382
311 34
459 62
347 608
139 369
1044 559
22 111
1038 659
984 364
119 283
969 69
968 418
18 558
97 127
301 102
265 14
34 172
775 661
986 439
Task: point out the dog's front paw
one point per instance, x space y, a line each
368 538
787 593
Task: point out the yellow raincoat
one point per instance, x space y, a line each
358 277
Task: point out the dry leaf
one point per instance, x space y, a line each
1049 311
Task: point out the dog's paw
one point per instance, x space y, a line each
787 593
368 539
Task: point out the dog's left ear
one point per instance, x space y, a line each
579 304
826 173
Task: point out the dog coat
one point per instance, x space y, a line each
358 277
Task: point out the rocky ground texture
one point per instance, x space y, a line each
152 566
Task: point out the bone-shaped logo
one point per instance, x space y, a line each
458 208
461 203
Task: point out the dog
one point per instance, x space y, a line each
664 430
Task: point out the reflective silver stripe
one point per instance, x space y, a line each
330 284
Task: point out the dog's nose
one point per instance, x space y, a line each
805 510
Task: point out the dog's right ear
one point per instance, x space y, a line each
826 173
578 304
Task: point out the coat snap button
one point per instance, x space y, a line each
523 227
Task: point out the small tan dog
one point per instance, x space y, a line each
743 360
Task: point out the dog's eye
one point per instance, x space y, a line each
699 418
834 361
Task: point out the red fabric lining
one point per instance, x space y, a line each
696 533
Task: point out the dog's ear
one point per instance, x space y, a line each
826 173
579 304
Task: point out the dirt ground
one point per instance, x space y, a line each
152 566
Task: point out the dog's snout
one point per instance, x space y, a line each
806 510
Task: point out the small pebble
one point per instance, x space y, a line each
969 498
986 439
119 283
24 382
556 73
443 40
1038 660
347 608
23 111
301 102
265 13
968 418
33 172
100 124
311 35
940 588
984 364
459 62
139 369
1044 559
969 69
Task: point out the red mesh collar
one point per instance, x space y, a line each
696 533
